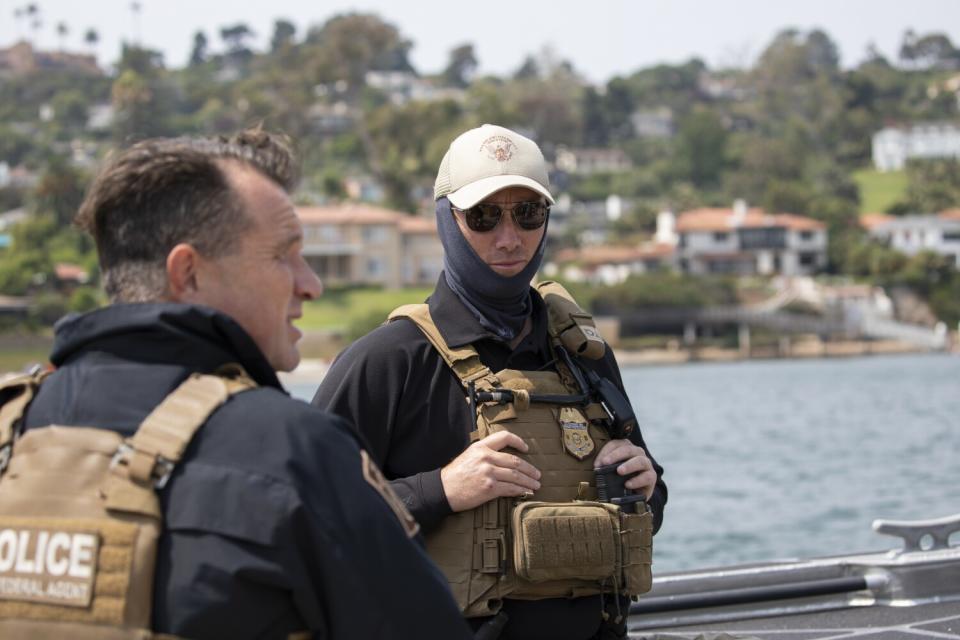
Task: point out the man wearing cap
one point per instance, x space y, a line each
411 387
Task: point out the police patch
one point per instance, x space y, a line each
576 434
47 565
376 479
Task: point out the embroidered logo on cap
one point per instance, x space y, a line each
499 148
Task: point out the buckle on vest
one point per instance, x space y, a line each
491 548
142 466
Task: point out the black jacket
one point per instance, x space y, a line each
269 526
409 405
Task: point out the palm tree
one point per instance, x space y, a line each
91 38
18 15
33 12
135 8
62 31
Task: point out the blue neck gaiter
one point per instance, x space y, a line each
501 304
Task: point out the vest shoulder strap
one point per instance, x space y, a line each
165 433
16 393
465 361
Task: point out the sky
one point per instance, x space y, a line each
602 38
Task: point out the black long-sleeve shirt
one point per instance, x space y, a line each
410 406
269 525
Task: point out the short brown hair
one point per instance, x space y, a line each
167 191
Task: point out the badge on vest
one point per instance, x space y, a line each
576 434
48 566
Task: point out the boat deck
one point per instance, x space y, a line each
913 592
933 620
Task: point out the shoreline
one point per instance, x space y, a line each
312 370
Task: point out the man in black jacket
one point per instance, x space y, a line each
492 207
272 523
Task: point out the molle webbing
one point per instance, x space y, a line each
165 433
89 488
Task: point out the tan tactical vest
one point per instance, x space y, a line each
79 513
560 542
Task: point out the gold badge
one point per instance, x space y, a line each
376 479
576 434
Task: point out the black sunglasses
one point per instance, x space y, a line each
485 217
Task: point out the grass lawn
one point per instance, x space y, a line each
16 359
879 190
339 310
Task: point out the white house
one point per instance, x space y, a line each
747 241
893 146
912 234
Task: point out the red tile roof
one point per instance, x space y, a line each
715 219
595 255
872 220
70 272
365 214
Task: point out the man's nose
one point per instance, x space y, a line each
507 235
308 284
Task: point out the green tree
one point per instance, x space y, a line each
144 100
596 125
236 38
408 144
283 33
701 150
461 67
60 192
349 45
198 52
932 186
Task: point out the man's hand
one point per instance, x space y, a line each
484 472
636 462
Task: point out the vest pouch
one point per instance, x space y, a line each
637 531
567 540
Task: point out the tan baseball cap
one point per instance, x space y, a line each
487 159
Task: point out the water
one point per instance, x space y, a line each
795 458
776 459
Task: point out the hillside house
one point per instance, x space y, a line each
893 146
359 244
912 234
749 241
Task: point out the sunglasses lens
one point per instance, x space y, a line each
530 215
483 217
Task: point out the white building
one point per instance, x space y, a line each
589 161
742 241
913 234
402 87
893 146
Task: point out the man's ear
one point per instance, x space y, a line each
183 263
